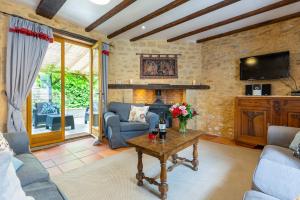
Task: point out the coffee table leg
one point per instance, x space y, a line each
195 161
140 174
163 187
174 158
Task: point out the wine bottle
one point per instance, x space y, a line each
162 128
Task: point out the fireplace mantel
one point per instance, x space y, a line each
158 86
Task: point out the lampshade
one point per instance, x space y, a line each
100 2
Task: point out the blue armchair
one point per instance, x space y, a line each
117 127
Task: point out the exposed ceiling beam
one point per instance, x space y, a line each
265 23
187 18
234 19
152 15
118 8
48 8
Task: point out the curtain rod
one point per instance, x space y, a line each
60 31
108 44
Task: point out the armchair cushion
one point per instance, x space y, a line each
133 126
278 180
280 155
18 142
121 109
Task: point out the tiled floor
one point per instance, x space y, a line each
72 155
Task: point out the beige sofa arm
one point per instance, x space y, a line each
281 135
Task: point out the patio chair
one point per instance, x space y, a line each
40 112
95 112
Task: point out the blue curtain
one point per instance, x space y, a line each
27 43
105 55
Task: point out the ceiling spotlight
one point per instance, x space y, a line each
100 2
143 27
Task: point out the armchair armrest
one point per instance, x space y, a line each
281 135
152 119
113 121
112 130
18 142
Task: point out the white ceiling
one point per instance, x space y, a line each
83 13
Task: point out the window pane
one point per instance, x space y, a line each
77 90
46 93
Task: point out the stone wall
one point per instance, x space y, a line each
124 65
220 61
215 63
12 7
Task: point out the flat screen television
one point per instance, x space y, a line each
265 67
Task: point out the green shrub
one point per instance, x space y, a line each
77 89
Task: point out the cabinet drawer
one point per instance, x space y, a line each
253 102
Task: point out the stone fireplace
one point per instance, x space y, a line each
159 100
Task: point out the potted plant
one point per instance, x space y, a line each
183 112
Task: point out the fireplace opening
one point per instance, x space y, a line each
158 99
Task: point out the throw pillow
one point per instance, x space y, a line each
295 142
138 114
3 143
10 186
49 108
16 163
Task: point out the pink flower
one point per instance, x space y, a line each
182 108
185 112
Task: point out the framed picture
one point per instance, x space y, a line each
158 67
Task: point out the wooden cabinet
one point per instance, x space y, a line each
253 115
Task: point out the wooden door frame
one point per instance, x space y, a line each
51 137
98 48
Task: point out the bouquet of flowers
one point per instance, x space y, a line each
183 112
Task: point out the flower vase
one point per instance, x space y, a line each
182 126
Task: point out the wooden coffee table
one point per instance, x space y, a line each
174 143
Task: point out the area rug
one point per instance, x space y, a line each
225 172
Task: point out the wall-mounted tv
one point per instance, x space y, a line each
265 67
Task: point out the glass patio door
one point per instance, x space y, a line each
45 104
96 93
65 100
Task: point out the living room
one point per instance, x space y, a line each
231 68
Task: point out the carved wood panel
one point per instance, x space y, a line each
293 119
253 115
253 123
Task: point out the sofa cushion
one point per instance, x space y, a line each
133 126
295 142
10 187
277 180
280 155
121 109
32 170
254 195
43 191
